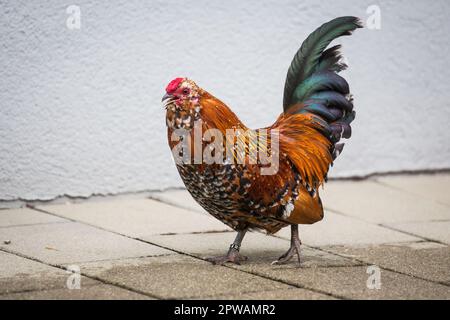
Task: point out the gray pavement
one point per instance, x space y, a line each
382 238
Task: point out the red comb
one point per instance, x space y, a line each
173 85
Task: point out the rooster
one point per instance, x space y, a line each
317 112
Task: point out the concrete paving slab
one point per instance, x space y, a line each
94 292
137 217
359 234
432 186
336 229
178 276
25 216
261 249
19 274
428 260
374 202
179 198
434 230
12 265
71 242
351 282
283 294
38 282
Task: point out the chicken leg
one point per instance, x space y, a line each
294 249
233 254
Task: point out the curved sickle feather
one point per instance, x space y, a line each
308 56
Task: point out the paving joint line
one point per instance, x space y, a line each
118 259
176 205
387 268
218 231
382 225
244 271
408 192
32 224
188 254
61 267
256 274
365 263
300 286
412 234
240 293
44 289
194 232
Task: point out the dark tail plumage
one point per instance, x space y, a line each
314 86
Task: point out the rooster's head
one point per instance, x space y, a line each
182 103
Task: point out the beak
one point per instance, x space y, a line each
166 96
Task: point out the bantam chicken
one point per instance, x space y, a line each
317 112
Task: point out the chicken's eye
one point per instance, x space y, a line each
185 90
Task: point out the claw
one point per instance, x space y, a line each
293 250
232 257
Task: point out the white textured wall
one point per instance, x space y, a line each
80 110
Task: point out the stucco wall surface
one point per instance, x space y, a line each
80 110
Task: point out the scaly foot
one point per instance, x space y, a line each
232 256
293 250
